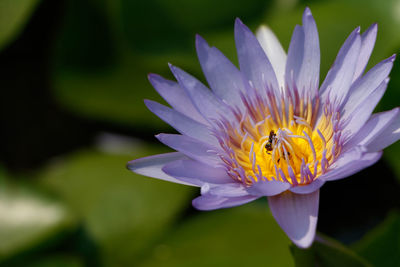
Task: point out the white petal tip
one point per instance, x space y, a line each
263 27
264 32
305 242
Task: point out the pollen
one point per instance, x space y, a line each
278 138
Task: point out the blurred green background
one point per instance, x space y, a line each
73 76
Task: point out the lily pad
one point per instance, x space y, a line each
123 212
28 218
240 236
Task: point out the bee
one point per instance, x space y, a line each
269 146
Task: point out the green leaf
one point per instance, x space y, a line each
28 218
381 246
123 211
241 236
59 260
326 252
13 16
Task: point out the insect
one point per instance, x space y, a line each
269 146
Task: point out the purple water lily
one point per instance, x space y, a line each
269 129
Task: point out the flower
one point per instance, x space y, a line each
269 129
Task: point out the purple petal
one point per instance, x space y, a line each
176 97
211 202
267 188
204 100
350 163
182 123
385 136
225 190
223 77
340 76
372 129
304 55
297 215
367 45
191 147
191 169
306 189
152 166
390 135
364 110
295 55
252 59
274 51
364 86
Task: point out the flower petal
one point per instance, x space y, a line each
267 188
181 123
295 55
364 86
274 51
211 202
339 78
376 126
152 166
252 59
176 97
225 190
367 45
386 136
224 78
191 147
304 56
204 100
297 215
350 163
364 110
191 169
306 189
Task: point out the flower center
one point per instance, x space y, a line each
281 142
